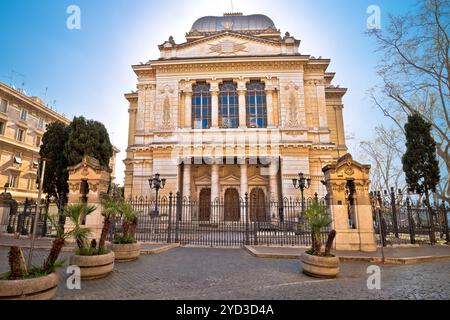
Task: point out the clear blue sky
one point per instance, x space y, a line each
87 71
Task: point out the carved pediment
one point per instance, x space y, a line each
230 180
203 181
228 44
257 181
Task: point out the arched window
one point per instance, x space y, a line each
256 105
228 105
201 106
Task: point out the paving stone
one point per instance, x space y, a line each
210 274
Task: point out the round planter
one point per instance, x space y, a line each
320 267
42 288
126 252
94 267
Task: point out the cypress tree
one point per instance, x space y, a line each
419 162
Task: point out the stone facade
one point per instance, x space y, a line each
283 116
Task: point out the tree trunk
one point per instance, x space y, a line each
133 228
330 241
15 265
318 242
57 246
126 229
105 231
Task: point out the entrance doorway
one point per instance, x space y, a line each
258 205
232 210
205 205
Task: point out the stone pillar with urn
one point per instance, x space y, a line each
353 221
88 180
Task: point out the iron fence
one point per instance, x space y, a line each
22 216
405 219
222 223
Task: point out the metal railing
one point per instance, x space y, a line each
222 223
405 219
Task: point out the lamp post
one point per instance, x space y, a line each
157 184
303 184
37 212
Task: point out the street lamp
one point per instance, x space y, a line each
157 184
303 184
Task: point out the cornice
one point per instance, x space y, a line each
33 104
213 66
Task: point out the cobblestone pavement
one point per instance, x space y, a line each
228 274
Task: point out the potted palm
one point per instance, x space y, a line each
39 282
94 261
125 246
315 262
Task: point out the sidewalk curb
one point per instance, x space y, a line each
376 260
46 248
71 249
160 250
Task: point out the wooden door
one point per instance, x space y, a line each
258 205
205 205
232 210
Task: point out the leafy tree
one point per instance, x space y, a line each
88 138
419 162
56 175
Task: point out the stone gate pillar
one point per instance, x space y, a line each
347 183
5 209
88 180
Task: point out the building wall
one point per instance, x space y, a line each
19 158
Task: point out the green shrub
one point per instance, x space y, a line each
124 240
88 251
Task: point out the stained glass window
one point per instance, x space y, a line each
228 105
256 105
201 106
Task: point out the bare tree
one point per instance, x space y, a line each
384 152
414 68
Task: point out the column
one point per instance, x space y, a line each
132 125
188 109
273 180
214 191
322 107
270 113
215 108
340 126
187 174
273 186
242 108
244 188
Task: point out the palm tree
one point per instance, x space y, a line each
318 218
76 213
57 245
111 207
130 221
